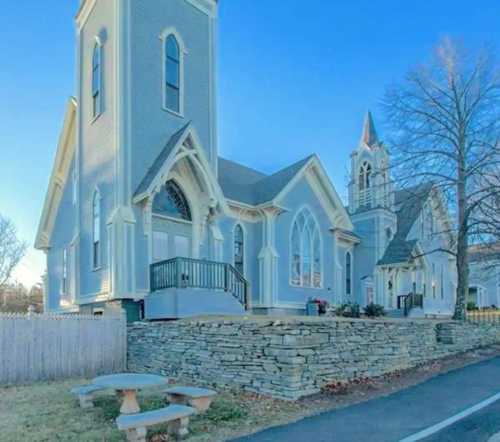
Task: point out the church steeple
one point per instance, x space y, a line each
369 137
370 186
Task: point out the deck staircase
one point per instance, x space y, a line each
184 287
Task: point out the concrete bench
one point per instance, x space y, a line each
85 394
199 398
135 425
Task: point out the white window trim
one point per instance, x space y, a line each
290 247
98 45
182 53
243 229
93 265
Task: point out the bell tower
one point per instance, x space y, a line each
371 205
370 186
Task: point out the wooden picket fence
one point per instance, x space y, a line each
48 347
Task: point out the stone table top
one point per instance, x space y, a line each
129 381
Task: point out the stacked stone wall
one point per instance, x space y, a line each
291 358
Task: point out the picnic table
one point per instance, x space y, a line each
127 385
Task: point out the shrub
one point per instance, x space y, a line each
374 310
348 310
472 306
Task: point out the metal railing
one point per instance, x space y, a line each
410 301
196 273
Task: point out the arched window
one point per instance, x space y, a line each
239 249
365 173
96 80
170 201
172 99
348 274
96 230
306 260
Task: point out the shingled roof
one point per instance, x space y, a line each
249 186
409 203
160 160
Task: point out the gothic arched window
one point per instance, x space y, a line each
96 80
239 249
172 80
365 173
306 260
170 201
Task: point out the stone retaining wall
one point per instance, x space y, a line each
290 358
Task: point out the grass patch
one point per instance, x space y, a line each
48 412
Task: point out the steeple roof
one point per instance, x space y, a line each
369 136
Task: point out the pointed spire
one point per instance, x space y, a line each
369 136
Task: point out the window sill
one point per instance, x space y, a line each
305 287
174 113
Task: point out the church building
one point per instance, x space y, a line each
142 213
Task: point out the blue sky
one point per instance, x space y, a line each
292 80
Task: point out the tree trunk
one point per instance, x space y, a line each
462 240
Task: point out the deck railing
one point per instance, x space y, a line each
412 300
196 273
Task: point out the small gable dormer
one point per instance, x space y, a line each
370 186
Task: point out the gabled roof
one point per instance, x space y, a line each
58 177
409 203
248 186
160 160
242 184
182 145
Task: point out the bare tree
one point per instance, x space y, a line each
12 250
445 121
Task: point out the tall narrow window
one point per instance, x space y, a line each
364 184
305 248
96 81
239 249
172 74
96 230
64 278
348 273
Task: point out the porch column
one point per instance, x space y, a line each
268 259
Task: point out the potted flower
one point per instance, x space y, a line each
316 307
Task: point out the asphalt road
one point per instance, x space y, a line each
407 412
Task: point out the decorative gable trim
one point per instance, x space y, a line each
315 174
194 153
58 178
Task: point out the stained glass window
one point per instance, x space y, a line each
305 266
